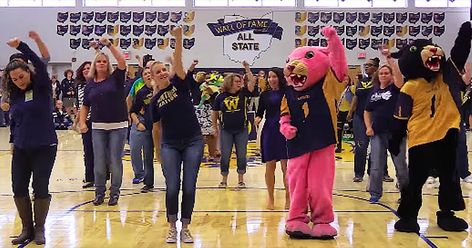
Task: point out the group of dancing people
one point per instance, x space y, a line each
161 111
170 121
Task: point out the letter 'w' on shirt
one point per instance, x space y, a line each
231 103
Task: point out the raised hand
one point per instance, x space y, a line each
245 64
329 32
94 44
195 62
14 43
176 32
105 41
34 35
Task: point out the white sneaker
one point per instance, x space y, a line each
171 236
430 180
367 185
468 179
185 236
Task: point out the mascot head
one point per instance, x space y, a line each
211 86
420 59
306 66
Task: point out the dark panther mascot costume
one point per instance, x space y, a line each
427 108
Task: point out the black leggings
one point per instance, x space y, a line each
439 155
36 161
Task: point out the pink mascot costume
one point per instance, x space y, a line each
308 122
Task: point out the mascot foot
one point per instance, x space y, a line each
448 222
323 231
407 225
298 230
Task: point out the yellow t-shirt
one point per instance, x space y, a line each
431 112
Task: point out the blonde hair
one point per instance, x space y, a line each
228 81
93 68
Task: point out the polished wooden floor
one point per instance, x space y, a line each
222 218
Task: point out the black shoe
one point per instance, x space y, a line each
387 179
358 179
448 222
113 201
87 185
98 200
147 189
407 225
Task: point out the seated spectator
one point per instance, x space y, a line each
62 120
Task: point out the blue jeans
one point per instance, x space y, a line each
141 144
239 139
462 160
378 155
186 153
362 142
108 143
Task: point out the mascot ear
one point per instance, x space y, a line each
323 50
396 55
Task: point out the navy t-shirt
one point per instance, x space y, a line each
142 101
233 109
107 98
31 112
362 93
173 107
381 104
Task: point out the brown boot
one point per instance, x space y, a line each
23 205
41 208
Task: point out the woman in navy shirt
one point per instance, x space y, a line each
141 129
34 139
378 118
273 145
180 138
231 107
105 95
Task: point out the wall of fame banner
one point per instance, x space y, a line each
139 30
368 30
223 38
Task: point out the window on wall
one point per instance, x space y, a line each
459 3
24 3
321 3
354 4
100 3
357 3
430 3
281 3
134 2
210 3
245 3
59 3
389 3
169 3
442 3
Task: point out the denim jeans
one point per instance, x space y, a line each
462 161
362 142
32 161
239 139
378 155
175 155
141 144
108 143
